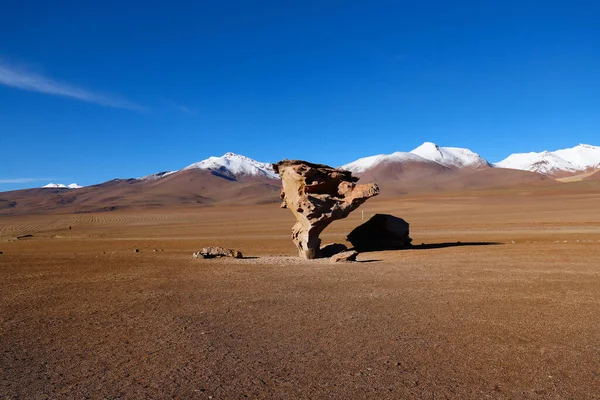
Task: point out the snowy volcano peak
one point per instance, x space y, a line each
429 149
583 157
233 165
451 157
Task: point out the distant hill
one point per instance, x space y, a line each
231 179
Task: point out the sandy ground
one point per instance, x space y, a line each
512 311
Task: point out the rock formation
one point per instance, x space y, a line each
381 232
317 195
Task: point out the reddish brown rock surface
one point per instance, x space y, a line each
318 195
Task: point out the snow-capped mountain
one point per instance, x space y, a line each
229 165
580 158
61 186
546 163
449 157
235 165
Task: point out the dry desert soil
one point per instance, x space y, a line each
502 302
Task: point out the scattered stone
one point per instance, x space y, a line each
213 252
1 252
155 250
331 249
346 256
317 195
137 250
381 232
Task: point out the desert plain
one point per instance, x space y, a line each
499 299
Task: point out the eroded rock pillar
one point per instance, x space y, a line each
318 195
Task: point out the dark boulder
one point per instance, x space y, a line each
381 232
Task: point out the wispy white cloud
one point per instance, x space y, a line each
185 109
20 78
24 180
180 107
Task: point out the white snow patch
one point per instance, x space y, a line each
156 176
55 185
62 186
366 163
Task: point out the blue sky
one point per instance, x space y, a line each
93 92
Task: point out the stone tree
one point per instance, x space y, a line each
318 195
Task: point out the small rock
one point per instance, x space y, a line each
346 256
213 251
137 250
1 252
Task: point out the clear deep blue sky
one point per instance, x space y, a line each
93 92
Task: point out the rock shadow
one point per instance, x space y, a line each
428 246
